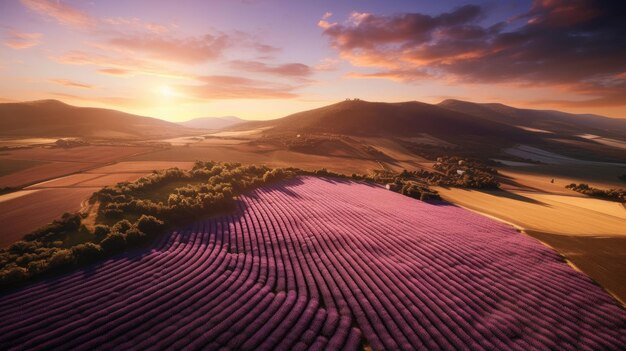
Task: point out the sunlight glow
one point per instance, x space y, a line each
166 91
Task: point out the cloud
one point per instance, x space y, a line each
115 71
190 50
327 65
232 87
136 38
395 75
70 16
62 13
285 70
265 48
576 45
138 24
118 65
71 83
130 46
21 40
601 92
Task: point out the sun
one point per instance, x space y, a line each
167 91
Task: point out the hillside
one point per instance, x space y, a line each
357 117
476 130
52 118
212 122
547 120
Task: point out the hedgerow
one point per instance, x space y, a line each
132 214
129 218
618 195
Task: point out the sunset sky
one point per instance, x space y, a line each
260 59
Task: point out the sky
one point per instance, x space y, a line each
261 59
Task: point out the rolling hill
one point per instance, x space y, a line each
556 122
357 117
472 129
52 118
212 122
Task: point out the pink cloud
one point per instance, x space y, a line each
71 83
232 87
63 14
190 50
71 16
115 71
21 40
118 65
573 44
327 65
138 24
286 70
395 75
136 38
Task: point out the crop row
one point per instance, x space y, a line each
323 264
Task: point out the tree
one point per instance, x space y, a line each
37 267
113 243
149 225
100 231
121 226
61 259
22 247
14 275
135 237
87 252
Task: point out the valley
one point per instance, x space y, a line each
42 180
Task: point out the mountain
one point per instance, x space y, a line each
212 122
52 118
405 119
556 122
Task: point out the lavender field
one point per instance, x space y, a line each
323 264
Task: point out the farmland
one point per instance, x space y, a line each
57 180
29 165
315 263
591 233
26 210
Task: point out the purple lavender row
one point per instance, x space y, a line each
316 264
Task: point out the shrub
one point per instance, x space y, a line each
13 275
24 259
21 247
121 226
100 231
61 259
113 213
610 194
113 243
135 237
87 252
414 190
276 174
149 225
37 267
69 222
